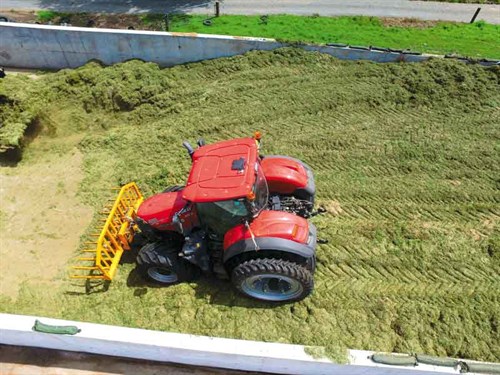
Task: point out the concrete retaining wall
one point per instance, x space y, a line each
55 47
194 350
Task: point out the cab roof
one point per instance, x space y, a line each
222 171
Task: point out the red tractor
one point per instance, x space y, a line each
241 216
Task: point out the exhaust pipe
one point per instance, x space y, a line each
189 148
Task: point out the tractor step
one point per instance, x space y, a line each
114 238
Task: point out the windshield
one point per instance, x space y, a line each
233 207
221 216
261 192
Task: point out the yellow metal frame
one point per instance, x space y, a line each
115 237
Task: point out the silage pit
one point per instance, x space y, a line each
384 141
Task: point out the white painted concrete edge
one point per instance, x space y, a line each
193 350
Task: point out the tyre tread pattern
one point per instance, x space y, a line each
156 254
275 266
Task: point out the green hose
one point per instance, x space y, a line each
480 368
436 361
414 360
61 330
395 360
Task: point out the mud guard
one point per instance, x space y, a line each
303 250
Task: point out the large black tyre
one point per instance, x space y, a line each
160 263
274 280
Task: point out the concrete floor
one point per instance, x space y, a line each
17 360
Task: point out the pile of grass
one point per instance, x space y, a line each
15 117
406 162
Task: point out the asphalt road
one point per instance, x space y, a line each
386 8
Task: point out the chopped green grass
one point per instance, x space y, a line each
406 160
15 117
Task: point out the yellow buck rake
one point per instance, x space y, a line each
115 237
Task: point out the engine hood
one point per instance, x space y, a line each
159 210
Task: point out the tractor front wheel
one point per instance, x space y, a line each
274 280
160 263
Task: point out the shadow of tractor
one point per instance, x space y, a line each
208 288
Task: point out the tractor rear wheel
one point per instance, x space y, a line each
274 280
160 263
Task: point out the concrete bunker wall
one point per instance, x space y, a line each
56 47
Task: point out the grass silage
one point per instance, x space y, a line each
406 162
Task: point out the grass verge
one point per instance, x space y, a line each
475 40
47 15
406 162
